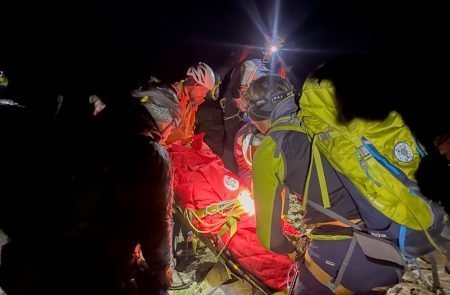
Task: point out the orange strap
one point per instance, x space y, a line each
322 276
338 223
188 114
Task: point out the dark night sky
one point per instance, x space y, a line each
76 46
164 37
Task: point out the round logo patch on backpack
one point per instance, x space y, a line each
403 152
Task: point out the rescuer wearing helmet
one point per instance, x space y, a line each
247 141
257 63
163 105
349 188
191 93
280 166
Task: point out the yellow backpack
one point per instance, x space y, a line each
379 157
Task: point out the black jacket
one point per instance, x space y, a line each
75 202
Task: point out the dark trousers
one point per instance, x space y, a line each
232 122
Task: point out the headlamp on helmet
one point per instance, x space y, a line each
262 108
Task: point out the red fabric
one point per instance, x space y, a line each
244 169
198 182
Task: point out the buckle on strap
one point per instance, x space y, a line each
364 152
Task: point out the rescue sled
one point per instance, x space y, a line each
220 210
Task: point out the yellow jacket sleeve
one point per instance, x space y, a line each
268 173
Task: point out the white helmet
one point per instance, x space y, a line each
161 102
203 75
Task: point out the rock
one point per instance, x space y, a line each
412 283
408 289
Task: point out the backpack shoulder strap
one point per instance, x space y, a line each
286 124
333 215
316 159
280 128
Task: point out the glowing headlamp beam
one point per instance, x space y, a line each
247 202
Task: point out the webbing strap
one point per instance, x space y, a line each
336 223
402 238
230 225
420 148
237 115
348 256
285 125
316 160
333 215
308 181
321 175
435 273
322 276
